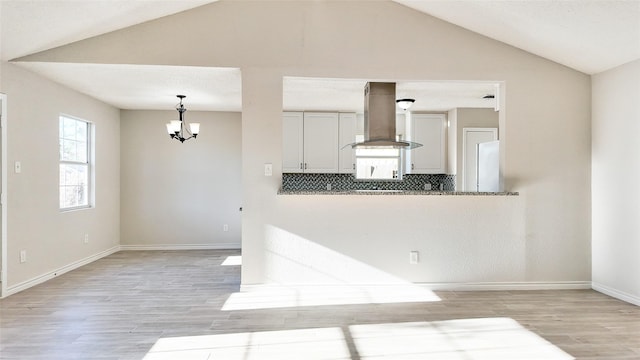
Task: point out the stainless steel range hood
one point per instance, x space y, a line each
380 118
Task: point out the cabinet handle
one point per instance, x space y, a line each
412 166
354 166
300 166
305 166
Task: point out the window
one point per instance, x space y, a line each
377 164
75 169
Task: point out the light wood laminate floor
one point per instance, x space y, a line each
185 305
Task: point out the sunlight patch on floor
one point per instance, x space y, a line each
270 297
308 344
460 339
484 338
232 260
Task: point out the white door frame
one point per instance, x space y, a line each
465 131
3 193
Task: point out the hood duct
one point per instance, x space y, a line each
380 118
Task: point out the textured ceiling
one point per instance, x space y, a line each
30 26
149 87
587 35
308 94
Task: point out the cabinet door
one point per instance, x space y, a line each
347 136
320 142
428 130
292 138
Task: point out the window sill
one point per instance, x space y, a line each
79 208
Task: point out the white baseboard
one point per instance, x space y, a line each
620 295
480 286
506 286
57 272
219 246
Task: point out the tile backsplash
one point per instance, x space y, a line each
339 182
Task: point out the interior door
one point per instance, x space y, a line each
471 137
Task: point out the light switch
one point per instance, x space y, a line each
17 167
268 169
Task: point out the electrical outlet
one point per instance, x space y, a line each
225 227
413 257
86 238
17 166
23 256
268 169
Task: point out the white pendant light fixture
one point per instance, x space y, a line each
405 104
177 129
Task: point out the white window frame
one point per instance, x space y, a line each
88 163
378 155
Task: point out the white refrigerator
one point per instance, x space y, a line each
488 166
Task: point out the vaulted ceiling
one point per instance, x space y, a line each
590 36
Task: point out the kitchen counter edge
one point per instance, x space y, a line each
396 193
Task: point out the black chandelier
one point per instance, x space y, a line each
177 129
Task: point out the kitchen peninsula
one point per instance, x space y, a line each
395 192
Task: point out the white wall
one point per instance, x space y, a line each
452 141
615 182
180 195
541 236
54 239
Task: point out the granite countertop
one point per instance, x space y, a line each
394 192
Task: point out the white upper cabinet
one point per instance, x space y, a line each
292 139
428 130
310 142
347 136
320 142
